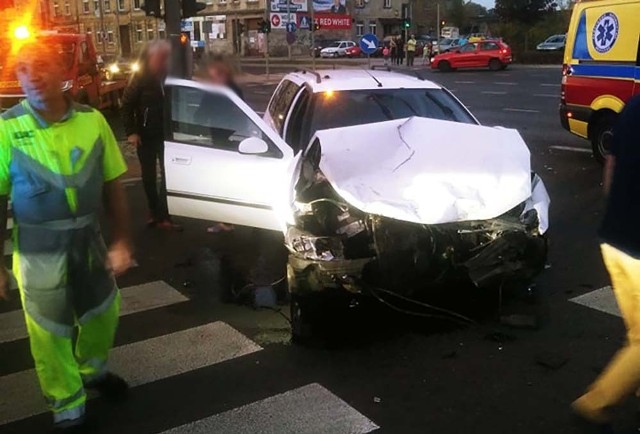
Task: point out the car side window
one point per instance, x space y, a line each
212 120
281 102
489 46
468 48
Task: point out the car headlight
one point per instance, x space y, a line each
67 85
114 69
135 67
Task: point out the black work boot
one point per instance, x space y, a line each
74 426
110 386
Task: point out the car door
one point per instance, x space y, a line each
467 57
488 51
222 162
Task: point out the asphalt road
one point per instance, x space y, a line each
231 369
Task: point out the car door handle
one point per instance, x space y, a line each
185 161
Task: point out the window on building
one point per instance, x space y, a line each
96 6
56 9
162 34
359 28
121 5
136 4
139 33
110 37
67 7
387 4
372 27
85 6
359 3
151 34
107 5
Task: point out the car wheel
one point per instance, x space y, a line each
301 321
495 65
602 136
444 66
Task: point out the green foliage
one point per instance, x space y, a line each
526 12
524 38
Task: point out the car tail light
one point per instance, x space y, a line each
566 71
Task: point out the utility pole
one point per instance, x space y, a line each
438 26
313 35
117 32
103 34
288 21
179 67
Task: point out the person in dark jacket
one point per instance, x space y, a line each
143 118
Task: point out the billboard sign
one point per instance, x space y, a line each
326 21
279 20
330 6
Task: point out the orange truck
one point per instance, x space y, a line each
83 79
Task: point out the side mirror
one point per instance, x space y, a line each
253 146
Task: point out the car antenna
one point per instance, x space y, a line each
317 74
372 76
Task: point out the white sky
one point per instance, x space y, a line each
489 4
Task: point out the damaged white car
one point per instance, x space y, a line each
396 205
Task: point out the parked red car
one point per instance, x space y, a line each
495 55
353 52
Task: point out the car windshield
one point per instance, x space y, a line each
446 41
357 107
556 39
334 45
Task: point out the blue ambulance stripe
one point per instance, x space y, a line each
603 70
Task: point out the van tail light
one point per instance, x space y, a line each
566 71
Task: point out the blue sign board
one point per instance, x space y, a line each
304 21
369 43
291 27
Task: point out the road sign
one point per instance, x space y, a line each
275 20
304 22
291 38
291 27
369 43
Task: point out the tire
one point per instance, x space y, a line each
444 66
601 135
495 65
301 321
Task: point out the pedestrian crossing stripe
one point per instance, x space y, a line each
602 299
134 299
139 363
309 409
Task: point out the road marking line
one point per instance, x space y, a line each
549 85
520 110
135 299
139 363
601 299
572 149
492 92
547 95
505 83
317 410
465 82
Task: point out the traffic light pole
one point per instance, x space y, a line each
438 26
312 27
178 67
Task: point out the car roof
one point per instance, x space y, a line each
357 79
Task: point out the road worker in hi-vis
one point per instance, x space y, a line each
59 162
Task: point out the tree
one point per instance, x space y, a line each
475 10
526 12
458 13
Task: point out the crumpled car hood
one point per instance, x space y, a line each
427 171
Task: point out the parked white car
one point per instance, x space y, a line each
379 182
337 49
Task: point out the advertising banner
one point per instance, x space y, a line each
279 20
326 21
330 6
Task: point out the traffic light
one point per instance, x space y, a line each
406 23
443 23
151 8
184 38
190 8
264 26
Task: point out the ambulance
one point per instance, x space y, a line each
601 69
